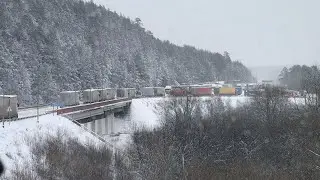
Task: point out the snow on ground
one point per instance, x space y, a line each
13 137
297 100
142 113
234 100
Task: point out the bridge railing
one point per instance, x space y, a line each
89 106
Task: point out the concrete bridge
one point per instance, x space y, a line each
97 117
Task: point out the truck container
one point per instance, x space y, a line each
70 98
159 91
103 94
131 92
106 94
179 91
122 93
227 91
91 95
111 93
8 106
147 91
201 91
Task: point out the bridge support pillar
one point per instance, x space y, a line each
112 123
97 126
86 125
93 126
109 123
103 126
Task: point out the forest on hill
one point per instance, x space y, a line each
47 46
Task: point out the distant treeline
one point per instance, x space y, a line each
300 77
47 46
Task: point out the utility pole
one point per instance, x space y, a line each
9 110
189 95
38 107
3 106
38 91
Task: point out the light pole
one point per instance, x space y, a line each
3 107
37 108
38 94
9 110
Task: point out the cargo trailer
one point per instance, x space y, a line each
103 94
8 106
159 91
227 91
201 91
111 93
132 92
107 94
122 93
147 91
91 95
179 91
70 98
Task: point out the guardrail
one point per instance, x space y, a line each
32 107
26 117
89 106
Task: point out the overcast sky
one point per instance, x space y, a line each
256 32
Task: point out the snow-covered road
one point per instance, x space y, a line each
33 111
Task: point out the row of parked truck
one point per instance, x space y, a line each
203 91
72 98
9 108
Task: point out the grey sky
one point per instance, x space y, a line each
256 32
